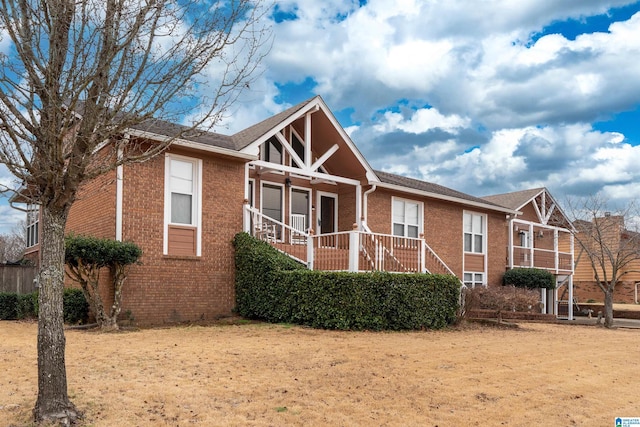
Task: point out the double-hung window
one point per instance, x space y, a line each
33 225
183 177
471 280
474 232
407 217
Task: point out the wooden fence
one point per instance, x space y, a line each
17 278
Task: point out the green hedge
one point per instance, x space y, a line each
8 306
14 306
76 307
532 278
273 287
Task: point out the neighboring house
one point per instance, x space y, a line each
621 242
297 181
540 236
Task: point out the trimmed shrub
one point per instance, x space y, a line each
14 306
99 252
8 306
273 287
532 278
256 263
28 306
76 307
84 257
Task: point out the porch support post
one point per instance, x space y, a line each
422 259
354 250
359 206
310 250
570 308
556 254
246 217
532 247
511 231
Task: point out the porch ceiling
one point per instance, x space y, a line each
324 136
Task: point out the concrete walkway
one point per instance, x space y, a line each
617 322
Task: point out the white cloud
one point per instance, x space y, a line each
421 121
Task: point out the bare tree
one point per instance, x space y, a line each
608 241
13 244
81 73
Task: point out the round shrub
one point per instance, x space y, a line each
531 278
76 307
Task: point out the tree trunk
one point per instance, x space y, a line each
53 402
608 307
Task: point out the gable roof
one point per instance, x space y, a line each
403 183
250 138
246 136
515 200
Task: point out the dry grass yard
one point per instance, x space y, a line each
275 375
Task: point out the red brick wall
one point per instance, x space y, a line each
624 292
94 213
346 207
443 230
168 289
498 240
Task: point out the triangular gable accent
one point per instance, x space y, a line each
252 138
543 203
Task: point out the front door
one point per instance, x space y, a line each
328 215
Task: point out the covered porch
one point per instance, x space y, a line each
354 250
546 247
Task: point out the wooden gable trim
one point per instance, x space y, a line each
539 202
312 107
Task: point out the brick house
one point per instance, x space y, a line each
297 181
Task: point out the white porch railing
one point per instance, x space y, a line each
283 237
549 259
433 263
354 250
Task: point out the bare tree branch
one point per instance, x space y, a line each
607 241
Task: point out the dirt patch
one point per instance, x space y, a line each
267 375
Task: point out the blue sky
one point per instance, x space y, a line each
484 97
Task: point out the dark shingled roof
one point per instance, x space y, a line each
429 187
514 200
162 127
252 133
236 142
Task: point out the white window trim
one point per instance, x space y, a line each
197 203
473 279
251 192
33 211
420 213
484 233
309 212
272 184
334 196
